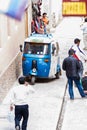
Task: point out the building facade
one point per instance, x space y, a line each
12 34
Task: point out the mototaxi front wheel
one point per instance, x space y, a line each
33 80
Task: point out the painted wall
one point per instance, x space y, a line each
12 34
51 7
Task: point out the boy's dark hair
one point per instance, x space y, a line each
76 40
85 19
21 80
44 13
27 79
71 52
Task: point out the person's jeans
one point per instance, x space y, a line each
78 84
21 111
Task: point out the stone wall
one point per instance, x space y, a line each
9 76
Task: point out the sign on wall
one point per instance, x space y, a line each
74 8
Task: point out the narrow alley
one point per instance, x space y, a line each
46 103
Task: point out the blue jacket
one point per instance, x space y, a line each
72 66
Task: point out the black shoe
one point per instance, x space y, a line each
85 96
17 128
71 98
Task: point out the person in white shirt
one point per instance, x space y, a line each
79 53
19 99
84 29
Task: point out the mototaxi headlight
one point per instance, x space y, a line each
34 70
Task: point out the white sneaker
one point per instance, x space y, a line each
17 128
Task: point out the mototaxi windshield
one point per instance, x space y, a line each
36 48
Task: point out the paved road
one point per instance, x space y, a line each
45 103
75 116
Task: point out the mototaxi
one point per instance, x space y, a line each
40 57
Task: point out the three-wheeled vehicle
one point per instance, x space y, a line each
40 57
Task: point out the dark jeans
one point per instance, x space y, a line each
78 84
21 111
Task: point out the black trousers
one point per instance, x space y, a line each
21 112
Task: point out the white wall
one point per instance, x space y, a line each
12 34
52 6
56 6
10 43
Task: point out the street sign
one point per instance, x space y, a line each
74 8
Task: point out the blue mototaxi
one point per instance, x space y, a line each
40 57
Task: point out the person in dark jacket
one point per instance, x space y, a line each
71 66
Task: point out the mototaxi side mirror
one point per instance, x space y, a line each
53 49
21 48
